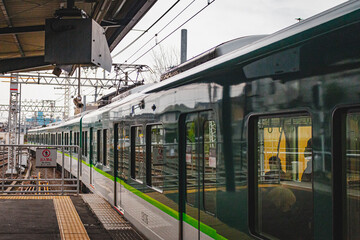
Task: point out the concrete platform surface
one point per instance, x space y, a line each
62 217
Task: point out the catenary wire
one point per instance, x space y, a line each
157 43
161 30
167 11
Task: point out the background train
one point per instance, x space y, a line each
257 138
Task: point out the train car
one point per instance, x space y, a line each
260 142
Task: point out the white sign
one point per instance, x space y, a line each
212 158
188 157
46 157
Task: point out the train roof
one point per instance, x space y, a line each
212 53
313 26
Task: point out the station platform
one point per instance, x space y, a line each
86 216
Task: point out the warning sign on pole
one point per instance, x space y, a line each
46 157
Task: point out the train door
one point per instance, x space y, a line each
91 157
200 173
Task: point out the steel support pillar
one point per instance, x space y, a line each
13 123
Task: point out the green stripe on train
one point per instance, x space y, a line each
211 232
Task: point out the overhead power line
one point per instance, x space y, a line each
157 43
161 30
167 11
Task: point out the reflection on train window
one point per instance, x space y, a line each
70 140
284 202
82 143
201 155
59 139
192 166
138 155
123 152
157 156
210 147
76 139
86 143
105 145
98 147
353 175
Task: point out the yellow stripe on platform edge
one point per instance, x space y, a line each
70 224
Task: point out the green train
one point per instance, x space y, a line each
258 138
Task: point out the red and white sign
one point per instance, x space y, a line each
13 87
46 157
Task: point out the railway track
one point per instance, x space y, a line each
41 189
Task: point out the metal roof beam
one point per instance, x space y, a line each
8 20
23 63
31 108
18 30
121 33
64 81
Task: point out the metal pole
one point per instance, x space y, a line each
78 171
3 168
62 171
84 107
79 79
18 164
183 45
95 94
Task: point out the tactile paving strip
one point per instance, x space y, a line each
70 225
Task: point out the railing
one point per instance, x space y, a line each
39 169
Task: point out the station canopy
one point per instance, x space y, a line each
22 26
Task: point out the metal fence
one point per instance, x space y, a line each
32 170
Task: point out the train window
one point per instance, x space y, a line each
282 176
59 139
67 140
137 153
123 153
98 146
201 152
86 143
105 143
192 166
82 143
157 159
77 141
352 170
210 148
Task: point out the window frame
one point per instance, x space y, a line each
148 155
338 167
104 146
133 154
98 145
252 135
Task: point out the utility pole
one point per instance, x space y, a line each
183 45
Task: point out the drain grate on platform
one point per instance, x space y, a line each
125 235
116 225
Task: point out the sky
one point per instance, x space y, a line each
218 22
